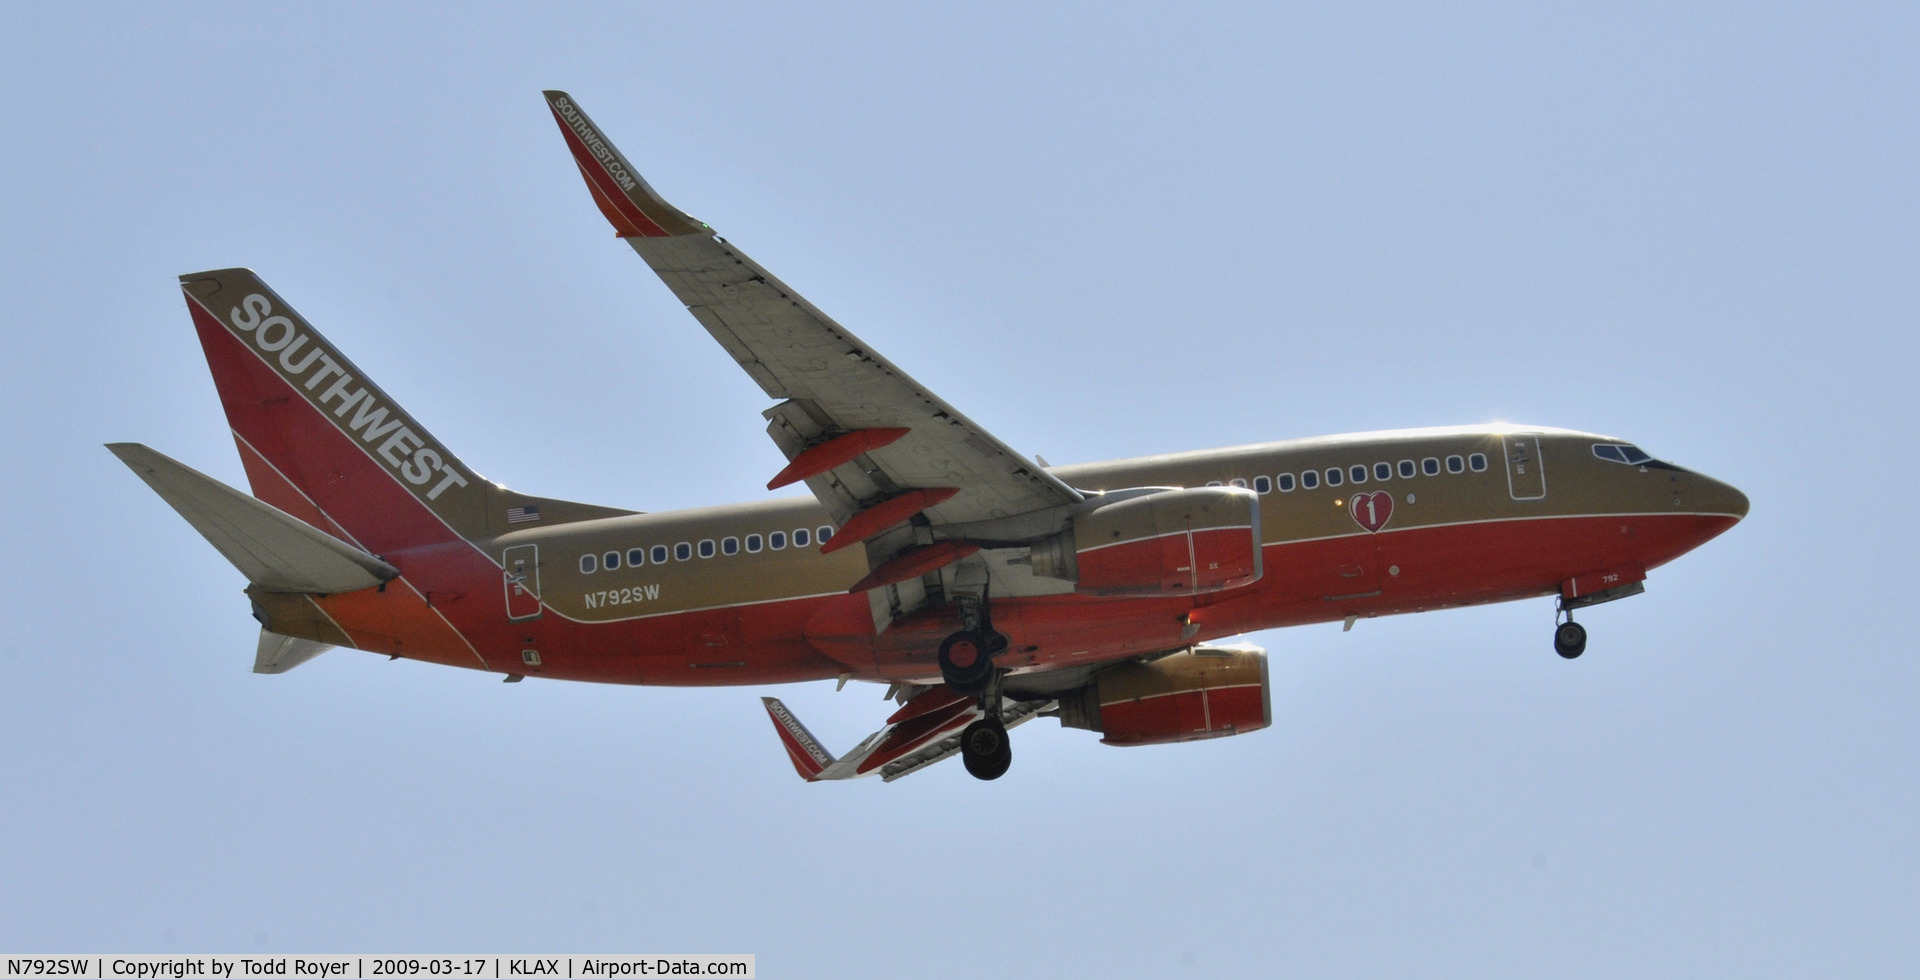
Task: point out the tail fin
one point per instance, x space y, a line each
318 439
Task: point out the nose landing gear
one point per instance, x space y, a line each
1570 639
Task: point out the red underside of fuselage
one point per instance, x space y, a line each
1307 582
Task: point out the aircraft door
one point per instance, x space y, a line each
520 569
1526 474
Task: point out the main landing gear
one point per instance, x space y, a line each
966 665
966 660
985 749
966 657
1569 638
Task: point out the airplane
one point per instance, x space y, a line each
983 587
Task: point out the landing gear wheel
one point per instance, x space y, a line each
966 663
985 749
1570 639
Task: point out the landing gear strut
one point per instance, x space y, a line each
966 665
1569 638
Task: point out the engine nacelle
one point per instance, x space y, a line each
1167 543
1205 692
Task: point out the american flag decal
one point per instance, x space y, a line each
521 515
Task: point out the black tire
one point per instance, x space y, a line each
971 677
1570 640
985 749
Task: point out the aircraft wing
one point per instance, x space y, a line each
875 446
924 731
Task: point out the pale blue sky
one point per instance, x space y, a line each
1100 230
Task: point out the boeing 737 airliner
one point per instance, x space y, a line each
983 587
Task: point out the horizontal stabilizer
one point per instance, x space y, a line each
278 654
275 550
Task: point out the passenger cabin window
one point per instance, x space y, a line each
1478 461
1456 464
682 551
777 540
1237 482
1631 455
1406 469
729 546
636 557
1357 473
800 538
706 547
588 564
1382 471
1309 479
659 554
611 560
1430 466
1213 483
1262 484
823 533
1334 478
754 543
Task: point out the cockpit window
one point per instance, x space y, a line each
1620 453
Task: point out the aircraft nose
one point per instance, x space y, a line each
1715 497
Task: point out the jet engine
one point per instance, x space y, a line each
1205 692
1169 542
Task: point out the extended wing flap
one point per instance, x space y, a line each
1012 713
273 549
923 732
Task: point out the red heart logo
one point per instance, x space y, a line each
1371 509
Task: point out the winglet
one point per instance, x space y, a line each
632 206
809 759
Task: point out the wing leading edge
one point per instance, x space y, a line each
893 463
